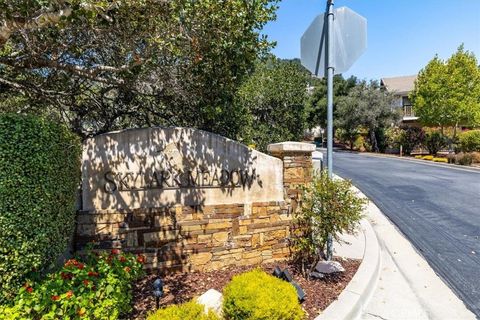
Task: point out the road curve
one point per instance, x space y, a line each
436 207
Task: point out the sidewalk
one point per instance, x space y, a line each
405 287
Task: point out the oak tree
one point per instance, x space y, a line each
100 65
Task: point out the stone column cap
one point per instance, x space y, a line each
291 146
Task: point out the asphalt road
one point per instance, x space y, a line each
436 207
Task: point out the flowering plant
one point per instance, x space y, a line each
98 288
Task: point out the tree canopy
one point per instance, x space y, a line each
317 102
366 106
105 65
274 97
447 93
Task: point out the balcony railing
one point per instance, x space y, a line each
408 111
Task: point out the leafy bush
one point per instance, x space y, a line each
410 138
187 311
360 144
256 295
39 177
434 142
347 137
470 141
464 159
461 158
392 137
330 207
97 289
476 157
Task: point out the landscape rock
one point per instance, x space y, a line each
316 275
212 299
327 267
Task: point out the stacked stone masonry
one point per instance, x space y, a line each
204 237
194 237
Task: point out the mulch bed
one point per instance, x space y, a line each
182 287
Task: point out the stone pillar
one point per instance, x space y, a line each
297 167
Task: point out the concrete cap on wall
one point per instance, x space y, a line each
291 146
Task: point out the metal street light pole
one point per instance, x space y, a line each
330 71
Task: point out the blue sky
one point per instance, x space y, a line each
403 35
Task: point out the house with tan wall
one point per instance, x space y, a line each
401 88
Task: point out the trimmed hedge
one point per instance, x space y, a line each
256 295
39 177
470 141
187 311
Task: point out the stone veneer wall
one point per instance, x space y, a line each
189 238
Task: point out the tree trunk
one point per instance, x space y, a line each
454 131
373 141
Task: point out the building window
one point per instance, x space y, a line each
407 107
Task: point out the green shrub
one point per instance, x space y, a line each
392 137
99 288
256 295
359 144
475 157
464 159
347 137
470 141
187 311
39 177
411 138
434 142
329 207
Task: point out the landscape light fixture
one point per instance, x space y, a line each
287 276
158 291
300 293
277 272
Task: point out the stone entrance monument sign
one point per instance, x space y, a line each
152 167
188 199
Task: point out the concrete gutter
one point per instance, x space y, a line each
358 292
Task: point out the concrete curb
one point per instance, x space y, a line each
356 295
